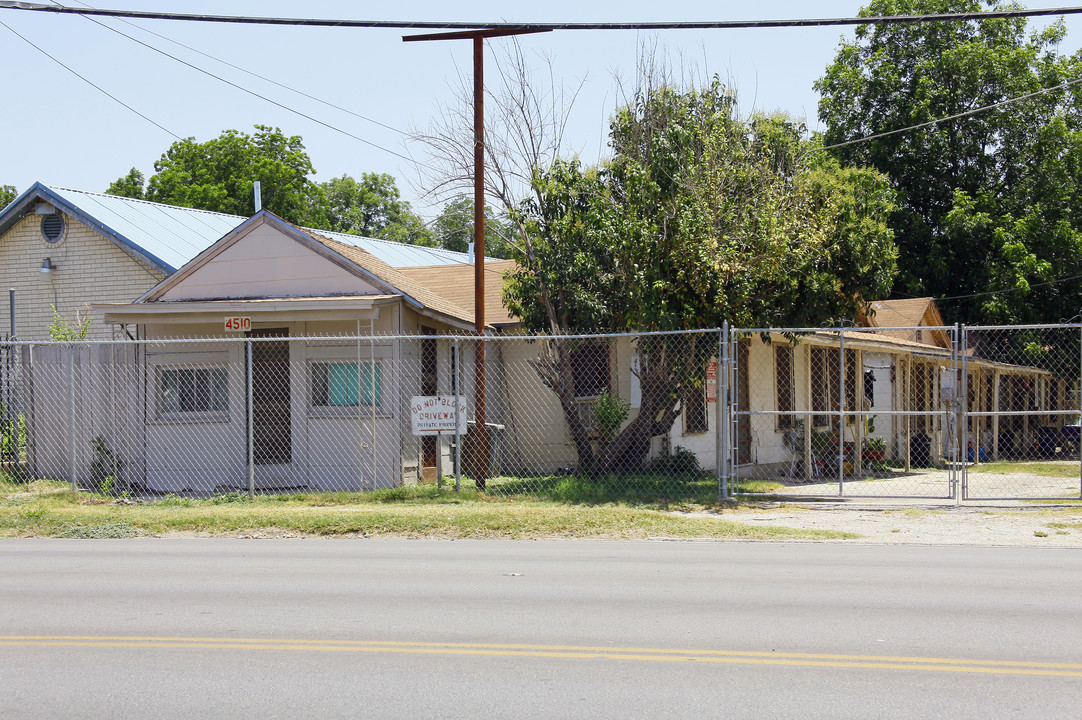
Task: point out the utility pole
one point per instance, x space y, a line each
478 37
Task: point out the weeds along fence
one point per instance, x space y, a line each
949 412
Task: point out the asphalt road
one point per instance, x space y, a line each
371 628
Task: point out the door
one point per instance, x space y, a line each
272 441
429 386
743 405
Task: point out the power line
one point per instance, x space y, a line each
91 84
262 77
253 93
1013 289
439 25
993 106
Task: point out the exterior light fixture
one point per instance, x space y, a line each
47 267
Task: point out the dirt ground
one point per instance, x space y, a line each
1016 524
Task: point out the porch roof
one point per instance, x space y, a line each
355 307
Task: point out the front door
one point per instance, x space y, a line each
429 386
743 404
271 431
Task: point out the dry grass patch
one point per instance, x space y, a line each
404 512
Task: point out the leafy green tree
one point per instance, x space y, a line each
219 175
371 206
132 185
453 229
699 217
7 195
987 202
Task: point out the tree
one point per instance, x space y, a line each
7 195
453 229
699 217
219 175
132 185
371 206
989 203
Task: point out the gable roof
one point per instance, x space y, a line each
354 259
167 236
910 313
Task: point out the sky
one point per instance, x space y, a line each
58 129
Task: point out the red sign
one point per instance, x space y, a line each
712 381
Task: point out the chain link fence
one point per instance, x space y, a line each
929 412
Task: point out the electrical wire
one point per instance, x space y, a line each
112 97
440 25
967 113
1013 289
261 77
253 93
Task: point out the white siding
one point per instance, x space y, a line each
267 263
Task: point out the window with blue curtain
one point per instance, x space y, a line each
335 384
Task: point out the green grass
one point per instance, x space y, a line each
1060 469
414 511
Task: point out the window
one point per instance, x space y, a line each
192 390
783 385
590 365
334 384
826 383
695 410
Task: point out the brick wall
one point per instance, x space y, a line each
91 269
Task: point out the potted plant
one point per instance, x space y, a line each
873 448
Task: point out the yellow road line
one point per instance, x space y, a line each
886 662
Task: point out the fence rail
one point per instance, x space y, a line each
936 412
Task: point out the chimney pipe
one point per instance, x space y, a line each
258 196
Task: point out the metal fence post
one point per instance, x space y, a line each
251 427
71 414
723 371
718 445
841 412
458 409
963 414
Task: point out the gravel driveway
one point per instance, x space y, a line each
946 524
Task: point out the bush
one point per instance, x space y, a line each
681 462
610 412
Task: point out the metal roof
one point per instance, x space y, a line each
173 235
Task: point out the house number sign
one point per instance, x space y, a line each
238 324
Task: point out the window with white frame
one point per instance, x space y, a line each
191 391
343 383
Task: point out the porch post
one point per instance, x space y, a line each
862 419
996 380
907 403
809 417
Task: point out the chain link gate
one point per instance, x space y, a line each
843 412
1022 412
